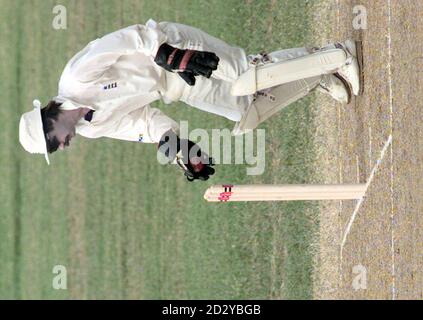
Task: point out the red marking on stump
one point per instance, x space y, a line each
225 196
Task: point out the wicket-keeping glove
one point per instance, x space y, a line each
187 63
195 163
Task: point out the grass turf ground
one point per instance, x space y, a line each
124 226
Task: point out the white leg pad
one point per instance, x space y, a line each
265 76
262 108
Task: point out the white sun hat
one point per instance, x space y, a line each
31 133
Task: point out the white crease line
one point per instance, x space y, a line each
341 180
338 14
369 181
370 148
358 168
391 118
338 24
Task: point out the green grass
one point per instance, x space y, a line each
124 226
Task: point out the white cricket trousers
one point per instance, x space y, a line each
214 94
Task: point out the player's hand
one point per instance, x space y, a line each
195 163
187 63
199 164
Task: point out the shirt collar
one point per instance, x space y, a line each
88 117
67 104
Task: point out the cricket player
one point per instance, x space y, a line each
106 89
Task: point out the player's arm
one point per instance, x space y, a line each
145 124
101 54
150 125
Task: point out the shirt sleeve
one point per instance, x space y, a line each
143 125
102 53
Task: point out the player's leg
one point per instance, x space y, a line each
268 102
208 94
330 84
336 87
294 64
213 96
352 72
300 62
234 62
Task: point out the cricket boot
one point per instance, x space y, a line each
334 86
351 72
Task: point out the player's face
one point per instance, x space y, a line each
63 132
